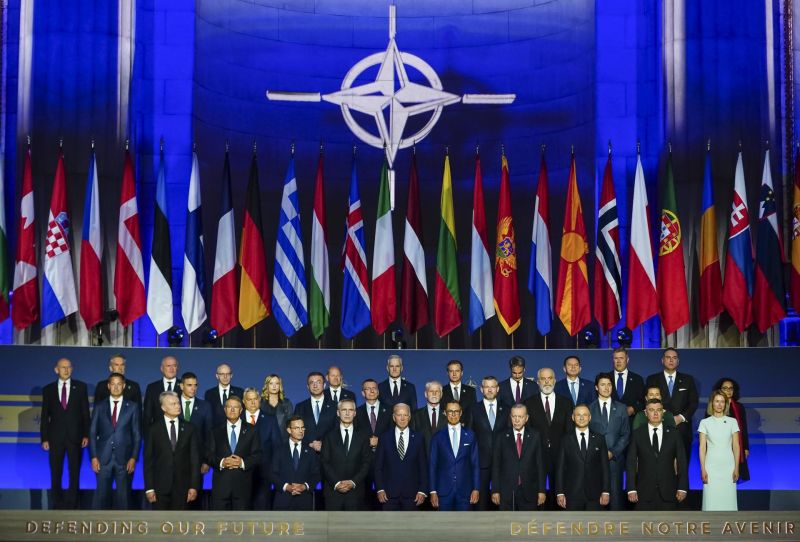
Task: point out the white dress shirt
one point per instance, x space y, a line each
166 381
61 384
251 415
237 428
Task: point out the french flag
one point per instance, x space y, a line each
91 282
224 291
540 279
737 288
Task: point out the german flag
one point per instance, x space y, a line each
254 293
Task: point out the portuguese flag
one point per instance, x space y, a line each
673 299
447 302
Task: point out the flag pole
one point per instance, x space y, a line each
641 335
545 341
512 341
480 338
254 336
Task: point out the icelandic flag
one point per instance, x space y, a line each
540 279
289 298
58 287
91 280
193 306
737 287
481 291
355 291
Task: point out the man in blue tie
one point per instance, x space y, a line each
610 419
318 412
489 420
454 467
578 390
295 470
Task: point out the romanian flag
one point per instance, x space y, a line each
795 270
446 298
506 289
572 292
254 293
710 274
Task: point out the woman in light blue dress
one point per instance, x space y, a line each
719 455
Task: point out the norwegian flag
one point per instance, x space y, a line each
607 269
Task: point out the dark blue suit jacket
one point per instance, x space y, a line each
448 474
401 478
406 394
283 472
506 396
617 429
327 418
203 421
586 391
122 441
270 436
215 402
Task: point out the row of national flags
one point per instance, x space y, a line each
752 290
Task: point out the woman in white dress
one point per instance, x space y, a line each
719 455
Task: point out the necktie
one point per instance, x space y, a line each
401 447
583 443
346 440
373 420
173 434
620 386
574 394
233 438
224 397
519 444
605 412
316 411
669 385
64 396
433 420
547 409
455 393
492 415
454 441
169 385
187 412
395 392
252 419
655 439
114 415
296 456
518 397
335 396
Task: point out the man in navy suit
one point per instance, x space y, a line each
518 475
295 470
346 459
197 412
628 386
397 389
401 465
64 430
270 437
132 391
374 416
610 419
217 395
489 420
114 441
456 390
318 412
335 390
169 381
454 469
516 389
578 390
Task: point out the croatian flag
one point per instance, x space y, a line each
540 279
355 292
58 287
737 288
193 305
91 281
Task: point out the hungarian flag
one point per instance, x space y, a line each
159 285
540 277
129 268
224 299
737 287
481 306
506 289
673 299
642 298
4 271
320 291
572 291
384 288
414 302
710 274
91 279
795 271
254 292
768 290
446 298
607 268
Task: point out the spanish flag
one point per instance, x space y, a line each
710 274
506 289
254 293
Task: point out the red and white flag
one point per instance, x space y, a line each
25 304
414 305
642 298
129 268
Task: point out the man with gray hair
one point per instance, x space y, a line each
430 418
132 391
401 464
397 389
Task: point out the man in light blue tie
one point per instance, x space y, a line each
454 467
488 419
318 411
578 390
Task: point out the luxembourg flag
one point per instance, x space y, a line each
58 287
91 281
540 279
193 305
481 291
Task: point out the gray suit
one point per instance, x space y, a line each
617 432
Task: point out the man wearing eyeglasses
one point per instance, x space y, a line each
217 395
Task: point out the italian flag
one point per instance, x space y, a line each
447 302
384 291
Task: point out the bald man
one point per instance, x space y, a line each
217 395
169 381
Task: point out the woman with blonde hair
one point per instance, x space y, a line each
719 455
274 401
736 410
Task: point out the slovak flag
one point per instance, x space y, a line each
91 280
737 288
58 287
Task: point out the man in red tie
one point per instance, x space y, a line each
518 476
114 442
64 430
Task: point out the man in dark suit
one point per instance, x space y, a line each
397 389
168 382
346 459
582 473
401 465
518 476
132 391
171 458
374 416
318 412
578 390
430 418
657 476
295 470
114 441
628 386
551 416
335 390
516 389
679 393
454 468
610 419
64 430
217 395
270 438
489 420
198 413
235 452
456 390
